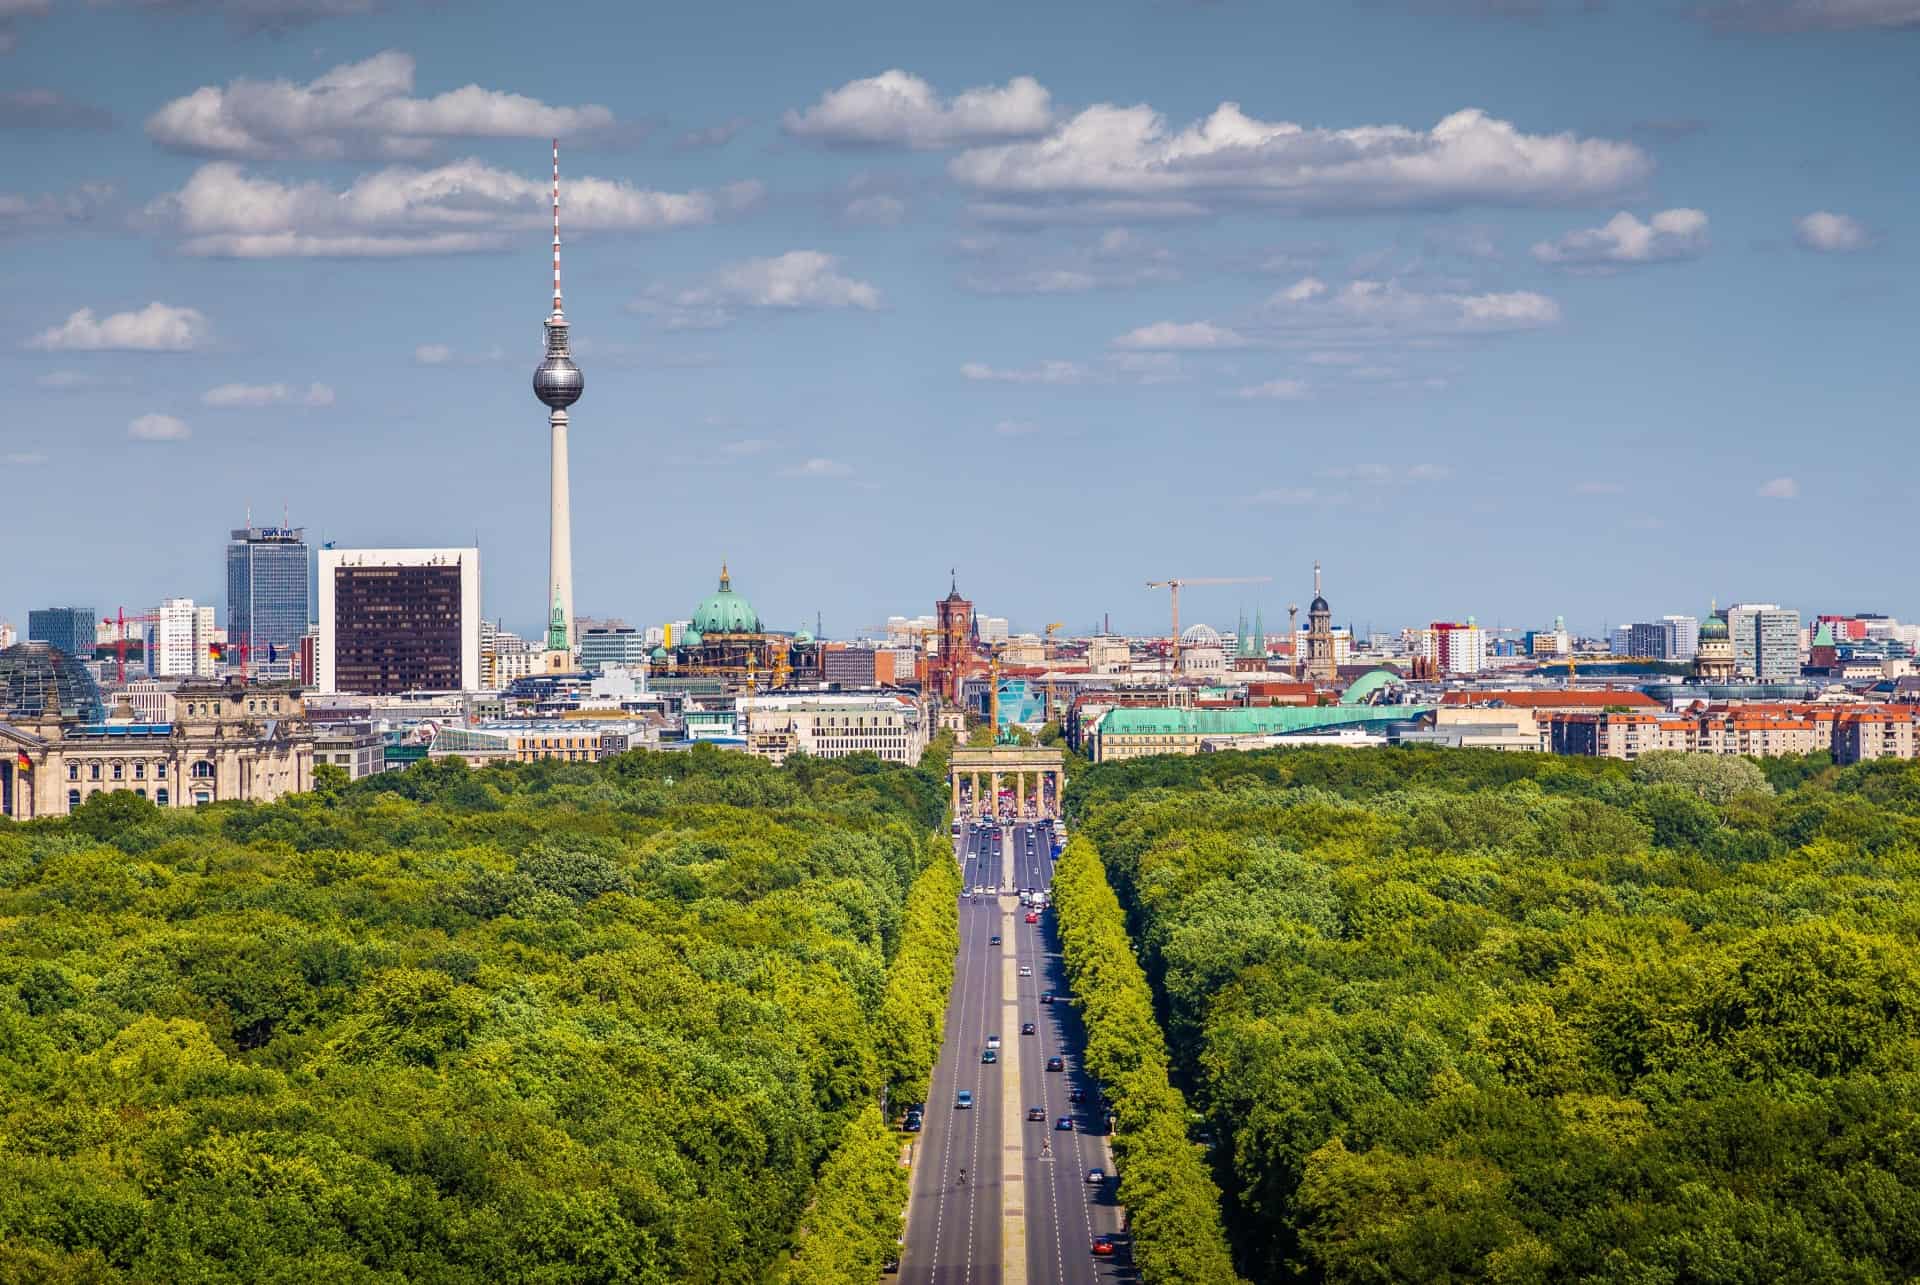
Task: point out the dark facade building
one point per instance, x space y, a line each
396 629
71 629
849 666
267 603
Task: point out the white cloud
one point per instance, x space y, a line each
798 279
820 466
1429 473
1815 15
25 459
1015 428
456 208
1182 336
1274 390
712 135
1624 239
357 108
158 327
76 207
1830 233
1047 372
878 208
254 395
1118 258
1369 306
432 355
897 108
1287 496
747 446
447 355
1468 158
1304 289
158 428
1334 358
1779 488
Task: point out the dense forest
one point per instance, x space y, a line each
554 1023
1471 1016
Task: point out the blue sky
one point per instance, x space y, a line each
1507 309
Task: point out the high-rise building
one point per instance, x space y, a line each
993 629
1683 636
7 637
267 604
399 620
558 383
1649 638
613 646
71 629
182 645
1452 648
1766 641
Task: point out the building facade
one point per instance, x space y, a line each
1766 641
612 647
229 741
267 603
182 640
893 728
71 629
399 620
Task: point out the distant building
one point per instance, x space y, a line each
267 605
1451 649
7 636
1683 636
1766 641
71 629
850 666
40 679
1713 659
182 640
1549 643
355 748
1323 658
612 646
399 620
828 726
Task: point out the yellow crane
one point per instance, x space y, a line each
1174 585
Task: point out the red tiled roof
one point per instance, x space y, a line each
1553 700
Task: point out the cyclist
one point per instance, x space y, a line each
963 1179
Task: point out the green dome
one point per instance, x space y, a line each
802 638
726 612
659 653
1713 627
691 638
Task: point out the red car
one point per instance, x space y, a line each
1032 918
1103 1247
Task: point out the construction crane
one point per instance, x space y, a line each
120 620
1176 584
1053 691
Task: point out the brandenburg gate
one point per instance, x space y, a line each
1038 776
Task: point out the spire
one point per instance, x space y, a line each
1259 632
558 311
1316 564
726 581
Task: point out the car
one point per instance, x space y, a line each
963 1100
1046 997
1095 1177
1037 1113
1103 1247
1026 970
1056 1064
913 1121
993 1041
1028 1028
1063 1125
988 1055
994 940
1076 1095
1033 917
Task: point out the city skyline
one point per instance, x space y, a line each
1536 341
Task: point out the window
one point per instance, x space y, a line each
119 771
73 771
93 771
203 771
140 791
160 770
73 799
139 771
160 796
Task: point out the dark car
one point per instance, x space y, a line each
1046 997
1063 1125
994 940
988 1055
1027 1028
1103 1247
1076 1095
912 1123
1056 1064
1037 1113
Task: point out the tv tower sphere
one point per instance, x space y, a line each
558 382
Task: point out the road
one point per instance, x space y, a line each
1025 1211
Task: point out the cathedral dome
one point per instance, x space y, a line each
1713 627
726 612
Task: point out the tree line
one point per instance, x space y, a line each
545 1022
1459 1015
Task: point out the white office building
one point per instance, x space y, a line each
182 640
892 727
1766 641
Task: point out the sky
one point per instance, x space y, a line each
1509 308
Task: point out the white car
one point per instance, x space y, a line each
993 1041
1026 970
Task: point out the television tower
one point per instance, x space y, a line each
558 383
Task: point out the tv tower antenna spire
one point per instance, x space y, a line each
558 383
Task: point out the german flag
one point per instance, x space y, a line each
25 763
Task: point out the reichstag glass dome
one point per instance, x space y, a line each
29 670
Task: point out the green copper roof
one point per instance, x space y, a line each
1823 636
1258 721
726 612
1367 684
